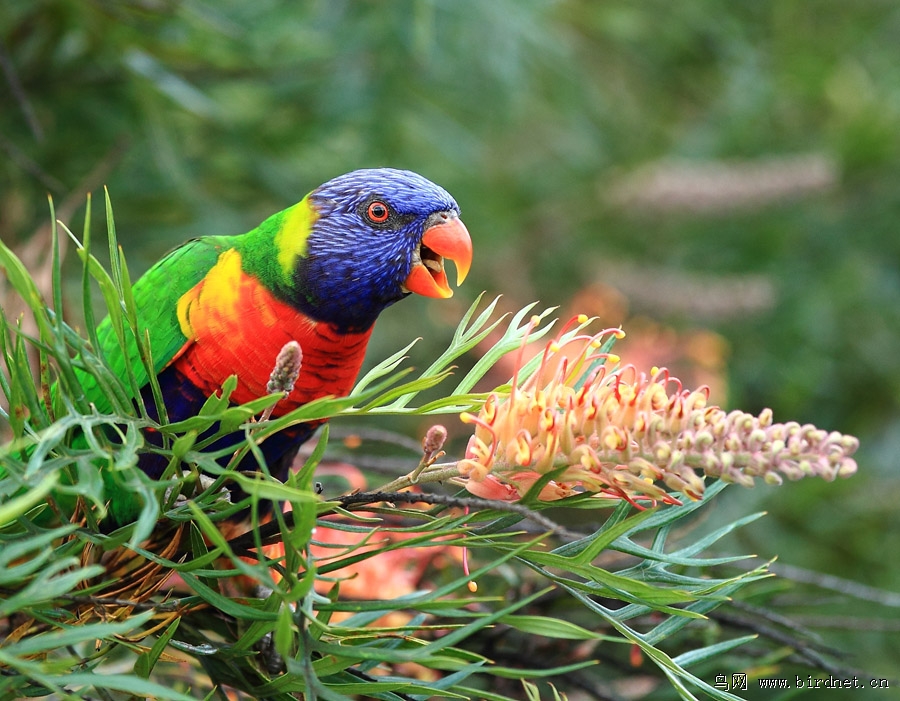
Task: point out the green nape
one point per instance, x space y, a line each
270 251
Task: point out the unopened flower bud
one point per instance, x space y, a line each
287 369
434 440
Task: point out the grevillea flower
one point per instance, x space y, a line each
628 434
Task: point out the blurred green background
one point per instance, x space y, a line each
721 178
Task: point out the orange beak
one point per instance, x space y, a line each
449 239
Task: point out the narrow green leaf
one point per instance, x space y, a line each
267 488
551 627
284 631
118 682
225 604
591 547
18 506
509 342
385 367
147 660
61 638
692 657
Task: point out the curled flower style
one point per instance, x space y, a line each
628 434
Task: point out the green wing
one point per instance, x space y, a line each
156 296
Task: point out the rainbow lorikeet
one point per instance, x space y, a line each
318 273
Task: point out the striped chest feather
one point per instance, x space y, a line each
235 326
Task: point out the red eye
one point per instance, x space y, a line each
378 212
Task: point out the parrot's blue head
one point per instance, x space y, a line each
376 236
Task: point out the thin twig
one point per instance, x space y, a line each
844 623
810 653
271 532
473 503
15 87
838 584
783 621
169 606
29 165
440 472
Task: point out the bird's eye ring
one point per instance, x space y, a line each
378 212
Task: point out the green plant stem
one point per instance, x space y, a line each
433 473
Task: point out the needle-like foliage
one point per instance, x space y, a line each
257 602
